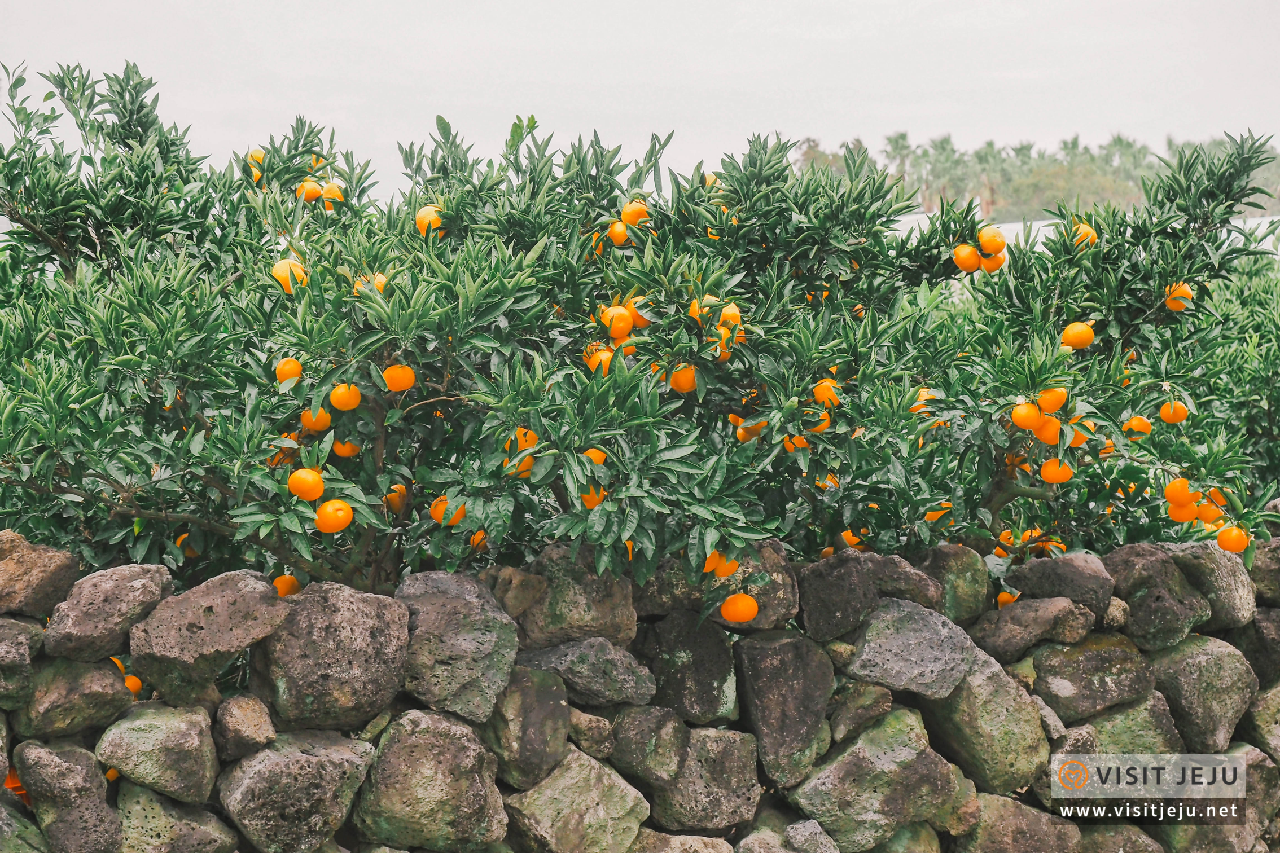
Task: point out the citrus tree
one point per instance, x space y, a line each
267 364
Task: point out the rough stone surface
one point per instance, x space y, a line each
894 577
717 786
337 659
20 642
1052 724
1078 576
966 582
529 728
869 788
808 836
777 597
17 833
153 823
650 745
1163 605
595 671
990 727
1259 641
68 697
582 807
1103 671
855 706
69 797
836 595
1143 727
1208 685
1265 572
1116 838
188 639
648 841
913 838
169 750
692 664
1261 723
904 646
94 621
1117 615
431 785
514 590
1007 826
591 734
578 602
668 591
1221 578
33 578
243 726
294 795
461 645
1262 798
785 682
1007 633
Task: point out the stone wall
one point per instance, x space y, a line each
872 705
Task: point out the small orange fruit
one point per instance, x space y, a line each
288 271
993 263
395 498
592 498
345 397
1055 471
794 443
1179 492
333 516
937 514
966 258
427 218
112 774
1004 599
308 190
477 540
1208 513
346 449
1178 295
1079 437
1049 430
307 484
600 360
1027 416
1217 496
596 455
319 423
638 320
1182 513
853 541
1077 335
1052 399
187 551
286 585
991 240
288 368
618 320
624 345
399 377
824 422
1138 425
618 232
440 505
526 439
1173 412
119 665
730 315
1084 231
1233 539
331 193
684 379
739 607
826 552
633 212
133 683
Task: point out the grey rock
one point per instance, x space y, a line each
1052 724
669 590
169 750
692 664
1115 838
1221 578
578 601
17 833
33 578
293 795
808 836
94 621
761 841
515 590
715 789
529 728
913 838
595 671
1259 641
966 582
461 645
836 595
591 734
69 697
153 823
1262 798
1117 615
1260 725
650 745
69 797
1078 576
1265 572
1079 740
20 642
648 841
855 706
777 597
1163 605
1209 686
188 639
894 577
1007 633
1143 727
904 646
1103 671
1008 826
243 726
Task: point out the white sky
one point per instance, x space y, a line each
714 72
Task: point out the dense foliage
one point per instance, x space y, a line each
848 383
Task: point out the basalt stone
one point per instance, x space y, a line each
670 590
855 706
715 789
648 841
777 597
762 841
461 644
17 833
785 680
591 734
1221 578
578 602
1052 724
1007 633
808 836
1103 671
293 795
1259 641
595 671
34 579
904 646
20 642
529 728
894 577
69 797
1008 826
1265 572
692 664
1115 838
836 595
337 659
515 590
887 778
1078 740
912 838
188 639
1209 686
153 823
69 697
431 785
169 750
990 727
1141 728
1117 615
966 582
649 745
1163 605
1078 576
582 807
1262 798
94 621
1260 725
243 726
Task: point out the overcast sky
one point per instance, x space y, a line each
379 72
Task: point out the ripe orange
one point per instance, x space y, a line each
618 232
596 455
526 439
308 190
1107 449
395 498
112 774
618 320
319 423
257 155
345 397
624 345
1077 335
1084 231
346 449
188 551
1027 416
792 444
825 393
991 240
709 178
1049 430
119 665
830 481
993 263
288 271
853 541
379 281
1182 513
1208 513
824 422
739 607
1217 496
286 585
592 498
1174 412
1178 295
331 193
440 505
600 360
638 320
633 212
730 315
1139 425
826 552
938 513
333 516
134 683
684 378
288 368
1052 399
307 484
1179 492
427 218
1080 437
966 258
1004 599
477 540
1055 471
399 377
1233 539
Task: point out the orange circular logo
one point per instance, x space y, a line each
1073 775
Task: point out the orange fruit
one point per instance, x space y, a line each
991 240
257 155
306 484
598 358
119 665
993 263
399 377
618 232
633 212
346 449
730 315
1208 513
1027 416
134 683
794 443
824 422
1139 425
708 179
596 455
831 480
825 393
288 271
1004 599
1179 492
618 320
1079 437
345 397
331 193
684 378
1049 430
477 540
395 498
112 774
1174 412
739 607
288 368
966 258
1233 539
1077 335
711 234
1107 449
379 281
333 516
427 218
1052 399
1177 296
938 513
1055 471
1182 513
1217 496
922 398
592 498
624 344
1084 231
638 320
319 423
440 505
631 546
308 190
286 585
851 540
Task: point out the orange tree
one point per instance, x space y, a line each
264 364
